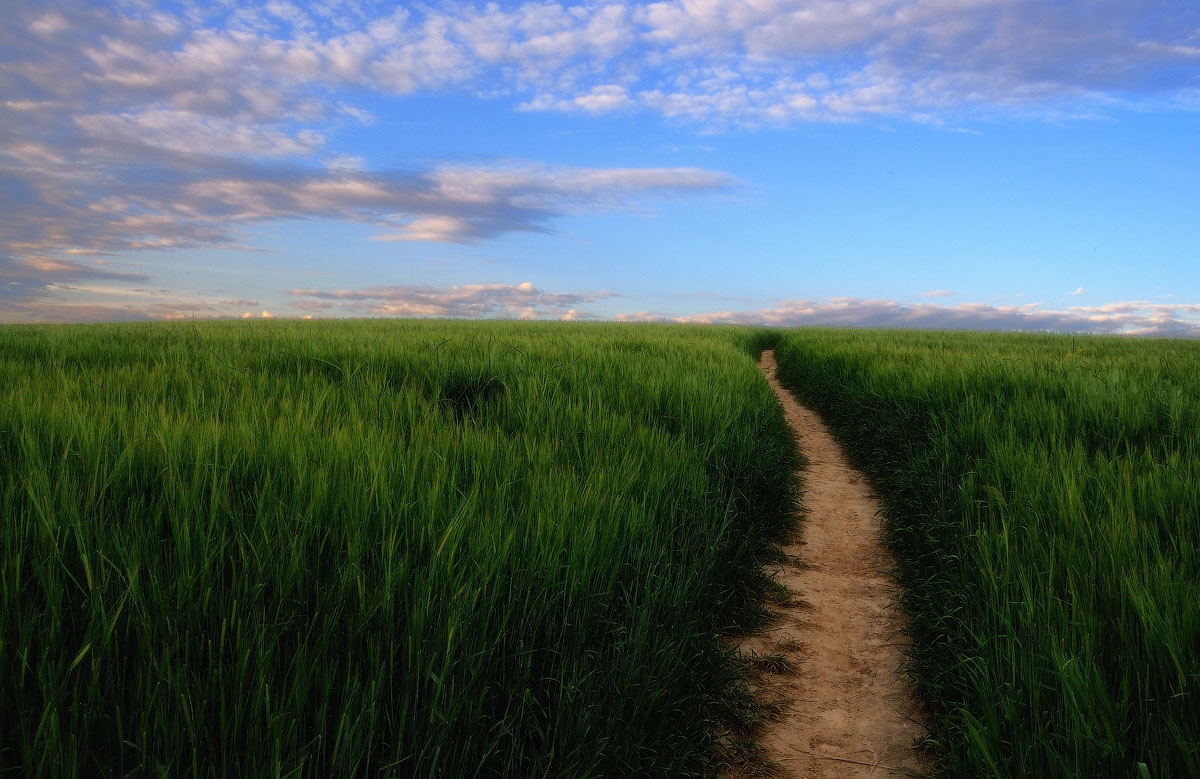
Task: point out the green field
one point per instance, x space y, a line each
396 548
1043 499
362 549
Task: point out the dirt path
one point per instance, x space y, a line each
852 713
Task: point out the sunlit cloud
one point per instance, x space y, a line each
1140 318
468 301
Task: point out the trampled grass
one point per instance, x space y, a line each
1043 499
363 549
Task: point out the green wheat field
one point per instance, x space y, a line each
452 549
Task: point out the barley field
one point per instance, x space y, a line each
375 549
1042 495
433 549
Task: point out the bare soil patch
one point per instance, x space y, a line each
852 712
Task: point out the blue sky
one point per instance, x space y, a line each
1001 164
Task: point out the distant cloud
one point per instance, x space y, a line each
25 280
939 293
39 271
73 306
109 296
77 303
1079 291
470 301
1127 318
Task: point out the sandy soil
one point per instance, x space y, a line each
852 713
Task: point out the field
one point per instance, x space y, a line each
1043 498
365 549
395 548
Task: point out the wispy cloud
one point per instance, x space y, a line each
127 126
469 301
124 129
1128 318
86 293
113 198
716 60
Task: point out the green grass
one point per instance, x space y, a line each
371 549
1043 498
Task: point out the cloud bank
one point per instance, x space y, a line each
526 301
104 300
1141 318
469 301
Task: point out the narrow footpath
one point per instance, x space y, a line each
852 713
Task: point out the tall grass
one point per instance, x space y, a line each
1043 497
370 549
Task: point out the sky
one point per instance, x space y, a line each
985 164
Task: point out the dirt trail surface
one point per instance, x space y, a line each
852 712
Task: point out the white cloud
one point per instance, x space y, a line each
49 24
186 132
654 316
506 301
469 203
1141 318
710 61
96 294
601 99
